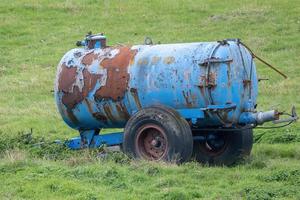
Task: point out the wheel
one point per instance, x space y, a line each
158 133
222 148
187 134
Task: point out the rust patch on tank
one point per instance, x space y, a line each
117 75
211 82
69 113
99 116
89 58
186 96
169 60
155 60
66 78
228 75
71 116
122 110
89 106
246 83
135 96
70 99
90 81
108 112
143 61
76 83
73 95
202 86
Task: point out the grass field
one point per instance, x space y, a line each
34 35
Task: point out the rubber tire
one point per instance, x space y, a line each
177 130
187 135
239 146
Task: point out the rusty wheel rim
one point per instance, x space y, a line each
151 142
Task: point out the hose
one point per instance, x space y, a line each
263 61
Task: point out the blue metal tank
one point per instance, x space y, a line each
174 100
209 83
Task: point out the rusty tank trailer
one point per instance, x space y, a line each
174 101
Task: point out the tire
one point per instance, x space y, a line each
158 133
224 148
187 135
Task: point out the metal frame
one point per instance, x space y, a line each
92 139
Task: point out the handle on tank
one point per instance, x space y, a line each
263 61
148 41
80 43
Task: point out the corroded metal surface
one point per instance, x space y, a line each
117 74
108 67
151 142
103 87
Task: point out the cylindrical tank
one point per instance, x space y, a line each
102 87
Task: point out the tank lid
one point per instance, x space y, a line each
93 41
96 37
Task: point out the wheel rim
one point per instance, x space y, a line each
215 143
151 142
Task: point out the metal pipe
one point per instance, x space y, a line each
259 117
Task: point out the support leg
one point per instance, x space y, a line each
92 139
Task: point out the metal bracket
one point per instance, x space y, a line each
91 139
148 41
215 108
214 60
191 113
208 82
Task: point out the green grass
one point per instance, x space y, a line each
34 35
271 172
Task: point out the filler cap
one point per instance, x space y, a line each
93 41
